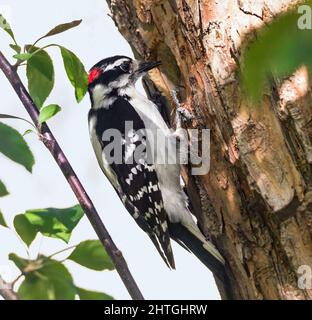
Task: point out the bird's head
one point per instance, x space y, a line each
116 73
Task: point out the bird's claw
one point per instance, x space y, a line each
185 114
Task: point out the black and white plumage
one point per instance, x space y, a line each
150 190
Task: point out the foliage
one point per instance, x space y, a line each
75 73
7 28
91 254
40 70
13 146
46 277
3 190
2 221
40 75
51 222
48 112
279 49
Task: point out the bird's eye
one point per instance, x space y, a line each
125 66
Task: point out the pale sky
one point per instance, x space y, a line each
95 39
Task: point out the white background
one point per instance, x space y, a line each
95 39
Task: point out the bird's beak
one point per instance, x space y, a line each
146 66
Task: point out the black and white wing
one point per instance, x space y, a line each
136 181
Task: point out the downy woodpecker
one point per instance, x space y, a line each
150 190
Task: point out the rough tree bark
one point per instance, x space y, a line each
256 201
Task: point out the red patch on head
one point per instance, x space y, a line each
94 74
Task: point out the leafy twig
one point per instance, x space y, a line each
72 179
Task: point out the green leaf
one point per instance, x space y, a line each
27 132
55 223
45 279
3 190
76 73
21 263
281 47
6 27
40 75
48 112
61 28
92 255
2 221
13 145
16 48
25 229
23 56
92 295
34 288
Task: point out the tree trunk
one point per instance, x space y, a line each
255 203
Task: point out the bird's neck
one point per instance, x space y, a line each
104 97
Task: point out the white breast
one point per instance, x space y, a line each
147 110
168 174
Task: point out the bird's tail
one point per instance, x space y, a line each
193 240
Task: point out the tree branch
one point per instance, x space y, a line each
6 291
72 179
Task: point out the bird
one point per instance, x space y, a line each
123 124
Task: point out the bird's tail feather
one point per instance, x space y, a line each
194 241
166 256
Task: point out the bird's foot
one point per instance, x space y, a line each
185 114
182 113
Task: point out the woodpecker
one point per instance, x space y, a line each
150 190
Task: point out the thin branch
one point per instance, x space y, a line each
6 291
72 179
